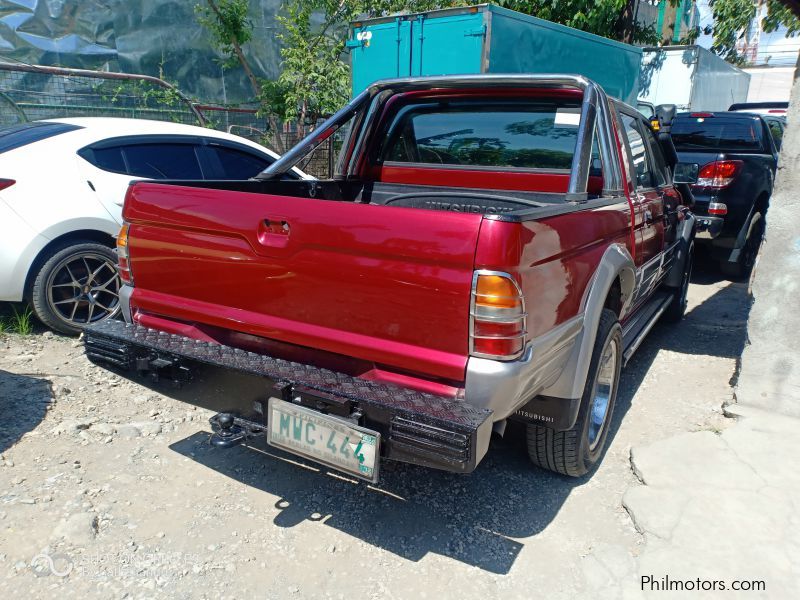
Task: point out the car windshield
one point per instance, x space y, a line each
729 134
17 136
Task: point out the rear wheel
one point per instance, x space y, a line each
749 252
575 451
77 286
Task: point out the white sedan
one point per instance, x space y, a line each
62 186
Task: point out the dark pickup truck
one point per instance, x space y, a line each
492 248
737 157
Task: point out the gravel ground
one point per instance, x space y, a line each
109 489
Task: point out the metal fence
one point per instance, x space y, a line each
32 92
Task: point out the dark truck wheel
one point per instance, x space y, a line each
76 286
747 257
577 450
677 308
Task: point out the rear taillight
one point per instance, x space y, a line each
123 262
718 174
497 319
717 208
4 183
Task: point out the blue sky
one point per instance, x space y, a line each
783 50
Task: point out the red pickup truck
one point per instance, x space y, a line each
491 248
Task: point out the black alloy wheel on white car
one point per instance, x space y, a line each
77 286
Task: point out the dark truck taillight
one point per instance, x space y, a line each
123 261
497 316
718 174
717 208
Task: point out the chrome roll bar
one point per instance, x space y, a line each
595 116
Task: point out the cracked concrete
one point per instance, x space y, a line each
723 505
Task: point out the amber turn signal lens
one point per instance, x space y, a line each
496 291
122 237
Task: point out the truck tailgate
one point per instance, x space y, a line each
382 284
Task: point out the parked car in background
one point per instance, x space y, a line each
761 108
62 186
493 248
737 157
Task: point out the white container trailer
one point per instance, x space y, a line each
692 78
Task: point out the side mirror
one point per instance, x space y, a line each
686 173
662 118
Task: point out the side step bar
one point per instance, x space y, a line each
636 330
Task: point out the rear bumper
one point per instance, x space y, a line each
424 429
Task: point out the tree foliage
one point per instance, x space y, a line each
231 29
731 19
609 18
313 35
315 81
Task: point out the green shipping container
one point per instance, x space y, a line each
487 39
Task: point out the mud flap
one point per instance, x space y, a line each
559 414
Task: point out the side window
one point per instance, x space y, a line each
658 162
641 165
108 159
162 161
777 132
237 164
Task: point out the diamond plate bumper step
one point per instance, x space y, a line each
417 427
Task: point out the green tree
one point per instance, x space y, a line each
313 35
231 29
314 80
609 18
731 19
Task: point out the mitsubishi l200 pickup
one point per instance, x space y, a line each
491 248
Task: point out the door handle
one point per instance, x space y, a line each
274 232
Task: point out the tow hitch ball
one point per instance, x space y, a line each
227 433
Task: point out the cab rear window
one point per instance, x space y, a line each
511 134
726 134
17 136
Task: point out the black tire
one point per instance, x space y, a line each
576 451
67 297
677 308
747 257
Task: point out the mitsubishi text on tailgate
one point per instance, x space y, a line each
491 248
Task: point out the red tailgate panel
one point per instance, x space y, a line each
389 285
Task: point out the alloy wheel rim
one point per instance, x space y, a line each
603 392
84 288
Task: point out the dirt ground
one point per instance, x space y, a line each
109 489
